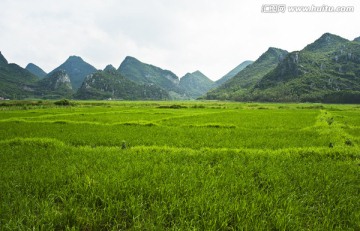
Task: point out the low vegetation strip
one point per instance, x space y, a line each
348 152
212 125
328 125
81 134
129 123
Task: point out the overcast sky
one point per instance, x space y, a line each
212 36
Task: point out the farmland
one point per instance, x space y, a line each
179 166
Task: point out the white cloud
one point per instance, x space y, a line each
183 36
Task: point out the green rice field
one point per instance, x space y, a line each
179 166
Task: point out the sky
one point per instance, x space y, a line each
213 36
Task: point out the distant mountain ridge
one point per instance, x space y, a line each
233 72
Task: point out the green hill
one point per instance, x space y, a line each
327 70
196 84
326 43
143 73
77 69
15 81
249 76
35 70
233 72
56 86
110 84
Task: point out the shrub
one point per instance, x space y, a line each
123 144
64 102
174 106
348 142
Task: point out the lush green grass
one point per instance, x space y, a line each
206 166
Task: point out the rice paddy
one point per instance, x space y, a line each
179 166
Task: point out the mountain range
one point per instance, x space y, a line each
327 70
75 78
